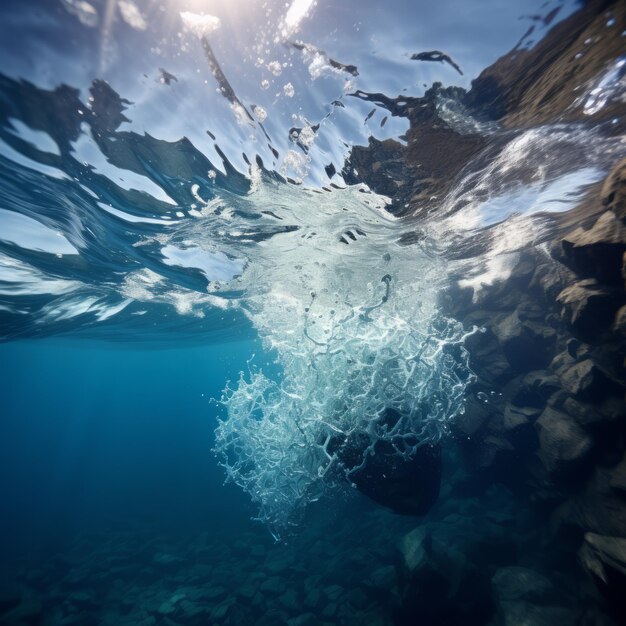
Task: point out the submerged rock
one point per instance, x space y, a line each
587 380
589 307
598 252
605 559
563 445
521 584
527 345
613 194
413 549
601 554
407 485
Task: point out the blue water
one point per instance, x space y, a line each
209 333
94 434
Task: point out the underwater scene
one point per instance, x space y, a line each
312 313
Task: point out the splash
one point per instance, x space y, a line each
352 318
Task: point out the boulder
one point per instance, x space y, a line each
440 579
535 389
604 557
563 445
618 476
527 345
390 479
551 277
382 579
592 415
273 585
597 252
28 611
473 418
413 549
600 554
515 584
619 323
589 308
518 417
289 599
493 451
487 358
306 619
597 506
613 194
587 381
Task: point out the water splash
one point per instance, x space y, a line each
352 318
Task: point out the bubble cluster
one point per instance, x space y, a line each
353 322
279 441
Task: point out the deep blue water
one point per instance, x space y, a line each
94 434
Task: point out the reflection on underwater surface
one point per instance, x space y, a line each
384 213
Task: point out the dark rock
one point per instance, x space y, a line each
597 252
587 381
514 584
618 476
289 599
527 614
306 619
605 560
619 324
613 194
473 418
526 345
597 506
591 415
589 308
417 175
487 358
518 417
551 277
440 582
563 445
493 452
535 389
191 612
333 592
273 585
390 479
382 579
220 611
413 549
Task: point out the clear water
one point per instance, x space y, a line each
190 291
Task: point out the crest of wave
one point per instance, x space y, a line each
353 321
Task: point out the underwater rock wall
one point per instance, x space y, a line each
547 417
555 346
